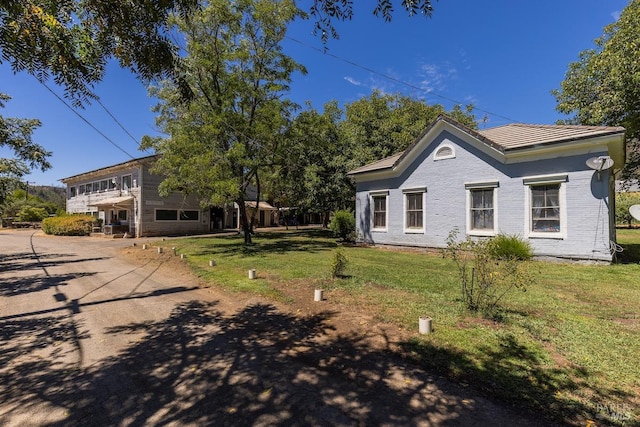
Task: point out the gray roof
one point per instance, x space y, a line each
507 138
520 135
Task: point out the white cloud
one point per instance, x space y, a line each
615 15
353 81
435 78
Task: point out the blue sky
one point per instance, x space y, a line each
503 56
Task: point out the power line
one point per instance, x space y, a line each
86 121
118 123
394 79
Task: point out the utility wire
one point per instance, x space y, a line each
394 79
119 124
86 121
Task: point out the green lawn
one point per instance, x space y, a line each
568 347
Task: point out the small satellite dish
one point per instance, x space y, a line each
600 163
635 212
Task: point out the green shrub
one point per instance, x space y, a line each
343 225
31 214
339 263
505 246
70 225
487 274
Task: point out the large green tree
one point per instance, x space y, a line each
603 86
312 173
219 143
16 135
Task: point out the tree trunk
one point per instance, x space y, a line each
244 221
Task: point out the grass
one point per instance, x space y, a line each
568 347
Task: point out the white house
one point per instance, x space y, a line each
552 185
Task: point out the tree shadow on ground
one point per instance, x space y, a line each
269 243
258 366
519 375
24 285
630 254
28 261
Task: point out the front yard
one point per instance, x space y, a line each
567 347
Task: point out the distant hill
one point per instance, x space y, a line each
48 193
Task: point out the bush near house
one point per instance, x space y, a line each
343 225
71 225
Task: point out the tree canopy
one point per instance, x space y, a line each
16 135
603 86
221 141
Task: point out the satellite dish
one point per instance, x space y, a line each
635 212
600 163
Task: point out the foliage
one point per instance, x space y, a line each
382 125
31 214
343 225
601 88
219 144
623 202
73 40
16 135
312 174
505 246
338 263
486 274
326 11
47 198
68 225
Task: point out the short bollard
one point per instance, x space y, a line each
252 273
144 246
159 250
182 256
317 295
173 249
424 325
212 263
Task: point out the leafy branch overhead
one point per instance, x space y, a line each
71 41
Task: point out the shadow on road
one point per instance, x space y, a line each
201 367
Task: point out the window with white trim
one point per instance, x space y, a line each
546 206
379 210
482 208
414 210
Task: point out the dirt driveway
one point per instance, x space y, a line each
96 334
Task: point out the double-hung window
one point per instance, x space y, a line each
546 210
482 209
414 210
379 210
